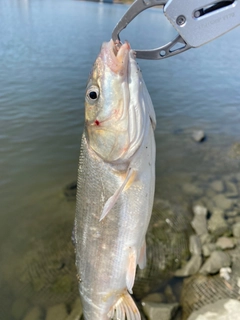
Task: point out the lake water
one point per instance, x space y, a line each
47 48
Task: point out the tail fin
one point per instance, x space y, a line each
124 308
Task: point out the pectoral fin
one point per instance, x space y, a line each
113 199
124 308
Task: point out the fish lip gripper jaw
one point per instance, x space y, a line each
197 22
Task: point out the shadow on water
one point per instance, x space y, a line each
46 52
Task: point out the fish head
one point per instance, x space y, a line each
106 102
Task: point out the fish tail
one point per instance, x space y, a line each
124 308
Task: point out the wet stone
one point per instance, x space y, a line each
198 135
231 221
168 292
225 273
217 186
225 243
217 224
157 311
199 222
199 210
76 310
195 246
57 312
231 188
216 261
35 313
209 193
208 248
191 267
206 238
232 213
154 297
236 230
223 202
225 309
191 189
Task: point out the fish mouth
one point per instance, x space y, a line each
116 56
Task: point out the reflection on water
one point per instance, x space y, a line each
46 52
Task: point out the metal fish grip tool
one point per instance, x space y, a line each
197 22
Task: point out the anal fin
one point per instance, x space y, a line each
125 308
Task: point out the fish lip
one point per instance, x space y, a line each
116 56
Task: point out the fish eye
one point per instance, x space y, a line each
93 93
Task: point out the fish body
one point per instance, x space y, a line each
116 179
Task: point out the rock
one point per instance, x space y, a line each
232 214
191 189
238 284
208 248
19 308
217 224
237 219
200 210
225 273
222 202
57 312
76 311
35 313
231 221
168 292
210 194
225 309
198 135
231 189
195 246
225 243
217 186
154 297
157 311
236 230
191 267
199 222
206 238
216 261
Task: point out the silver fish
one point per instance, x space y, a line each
116 180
